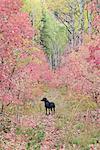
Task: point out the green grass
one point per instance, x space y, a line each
83 141
34 136
80 126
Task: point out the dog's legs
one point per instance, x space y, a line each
54 109
46 110
49 111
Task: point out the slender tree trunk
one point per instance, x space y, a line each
90 22
56 57
81 4
17 115
50 60
17 109
72 31
89 16
2 108
98 6
32 17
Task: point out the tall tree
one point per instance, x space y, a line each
52 38
81 7
90 17
15 31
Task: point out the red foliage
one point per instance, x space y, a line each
9 7
94 51
37 68
93 6
80 70
15 28
96 22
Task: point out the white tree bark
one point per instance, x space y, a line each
90 22
81 5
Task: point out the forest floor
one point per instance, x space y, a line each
74 126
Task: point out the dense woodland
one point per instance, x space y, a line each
50 48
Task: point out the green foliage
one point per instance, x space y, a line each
53 34
34 136
84 140
18 131
80 126
34 8
85 20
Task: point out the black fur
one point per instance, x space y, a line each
48 105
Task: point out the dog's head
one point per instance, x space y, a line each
44 99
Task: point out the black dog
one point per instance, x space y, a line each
48 105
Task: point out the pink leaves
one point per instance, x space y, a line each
15 28
20 24
94 54
78 73
7 98
92 6
10 136
9 7
96 22
14 25
37 67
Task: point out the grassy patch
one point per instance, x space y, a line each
86 138
34 136
63 90
78 133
